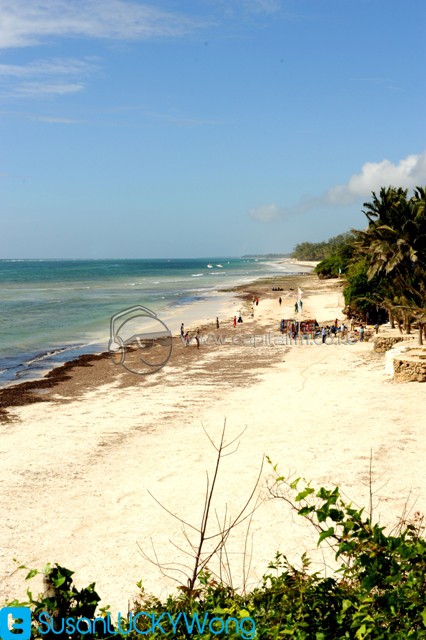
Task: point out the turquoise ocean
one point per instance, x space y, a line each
52 311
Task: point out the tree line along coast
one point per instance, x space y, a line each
383 265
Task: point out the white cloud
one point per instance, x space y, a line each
55 66
37 89
266 213
45 77
271 212
30 22
56 120
410 172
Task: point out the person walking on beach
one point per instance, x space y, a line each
197 339
182 330
361 333
186 338
235 321
217 323
323 334
280 301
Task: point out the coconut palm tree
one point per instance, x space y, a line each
395 246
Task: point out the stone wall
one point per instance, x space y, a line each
382 344
409 370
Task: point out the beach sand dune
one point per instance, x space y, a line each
78 468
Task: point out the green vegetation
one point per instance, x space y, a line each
267 256
363 295
320 250
394 250
385 264
337 262
379 591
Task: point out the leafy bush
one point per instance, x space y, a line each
331 267
363 295
379 591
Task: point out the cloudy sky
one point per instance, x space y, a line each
186 128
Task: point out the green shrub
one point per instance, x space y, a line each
379 591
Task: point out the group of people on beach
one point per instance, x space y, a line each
311 328
239 320
186 338
333 330
292 327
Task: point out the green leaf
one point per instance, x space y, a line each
361 631
31 574
325 534
336 515
58 582
345 605
323 493
294 484
304 493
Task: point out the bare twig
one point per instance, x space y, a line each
197 550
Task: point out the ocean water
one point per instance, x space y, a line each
55 310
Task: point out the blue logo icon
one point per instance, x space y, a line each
15 623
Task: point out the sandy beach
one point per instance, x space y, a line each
82 453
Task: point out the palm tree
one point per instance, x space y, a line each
395 246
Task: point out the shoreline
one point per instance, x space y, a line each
198 310
103 442
19 393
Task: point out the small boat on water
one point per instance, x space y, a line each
220 266
209 266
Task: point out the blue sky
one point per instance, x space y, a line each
203 128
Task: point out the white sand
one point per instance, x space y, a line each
75 477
